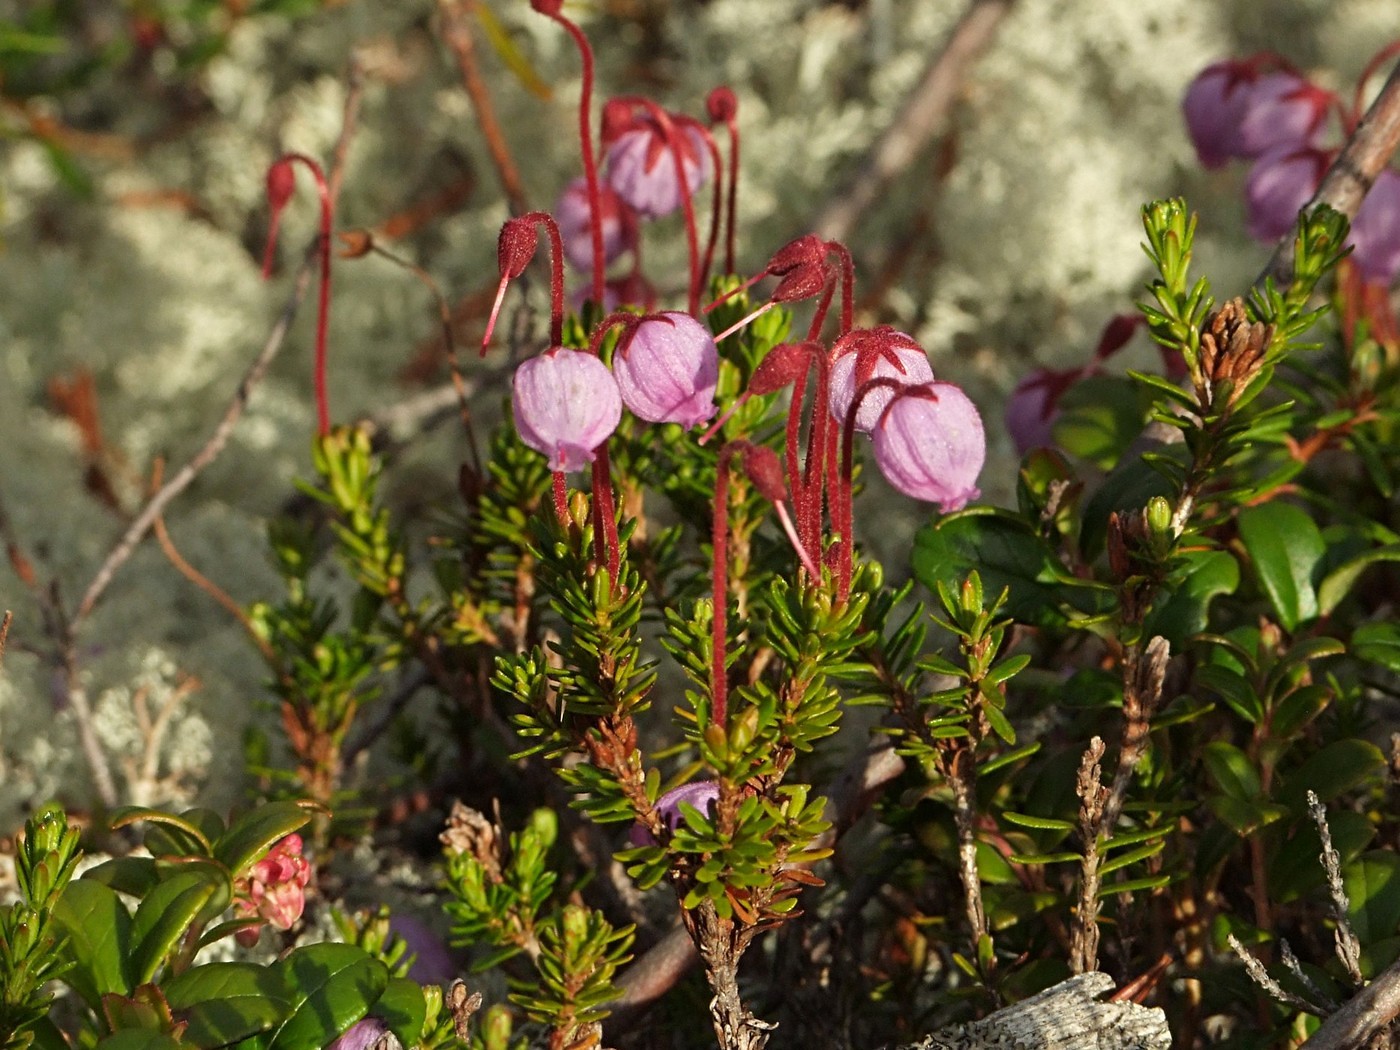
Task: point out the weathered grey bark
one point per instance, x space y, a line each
1068 1016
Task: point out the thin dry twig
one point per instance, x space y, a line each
5 633
923 115
1084 942
1262 978
457 35
182 479
1353 173
1348 947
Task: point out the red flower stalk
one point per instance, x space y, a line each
617 122
762 468
723 108
514 249
551 9
281 180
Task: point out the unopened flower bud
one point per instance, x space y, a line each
1232 353
930 445
667 368
721 105
565 404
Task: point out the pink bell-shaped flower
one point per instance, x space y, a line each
641 168
576 224
1281 111
1375 234
273 889
565 404
929 444
1213 106
700 793
1280 183
667 368
880 352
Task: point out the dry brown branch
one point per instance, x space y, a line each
1363 1017
923 115
5 634
1352 174
456 33
1084 944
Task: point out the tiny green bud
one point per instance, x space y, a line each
716 741
744 730
1159 515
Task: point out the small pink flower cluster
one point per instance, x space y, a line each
1261 110
273 890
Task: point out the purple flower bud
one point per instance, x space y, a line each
565 404
1281 111
576 224
1034 405
1213 106
929 444
700 793
362 1035
642 169
886 353
1279 185
667 368
1376 232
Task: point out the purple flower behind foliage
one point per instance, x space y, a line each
432 962
667 368
1213 107
565 404
1281 111
362 1035
699 793
642 169
576 225
1376 231
1278 187
929 444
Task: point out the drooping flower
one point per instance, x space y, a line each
1234 109
700 793
575 225
565 404
667 367
1034 406
273 889
1376 232
1280 183
865 354
929 444
1213 106
641 168
1281 111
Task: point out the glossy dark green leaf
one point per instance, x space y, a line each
186 832
1231 770
99 940
330 987
1338 583
252 835
1286 549
1008 554
1372 882
135 876
1378 643
162 918
403 1009
1100 416
1244 816
1184 608
1028 820
1341 766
